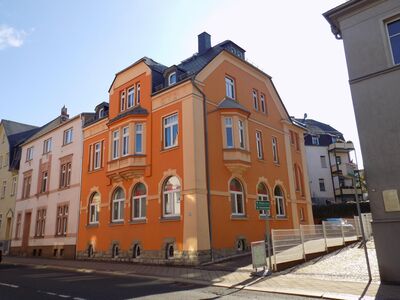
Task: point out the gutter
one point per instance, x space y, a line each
205 123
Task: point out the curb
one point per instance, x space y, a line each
284 291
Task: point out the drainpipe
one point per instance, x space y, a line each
205 123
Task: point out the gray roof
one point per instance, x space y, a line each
46 128
17 133
316 127
230 103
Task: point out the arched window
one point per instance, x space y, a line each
118 200
262 195
280 202
139 201
172 78
94 207
172 197
237 197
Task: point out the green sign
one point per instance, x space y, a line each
262 205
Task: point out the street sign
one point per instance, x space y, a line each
262 205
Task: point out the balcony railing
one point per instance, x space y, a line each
347 191
127 166
345 169
341 146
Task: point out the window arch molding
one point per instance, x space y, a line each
280 200
94 203
171 195
117 201
138 200
237 196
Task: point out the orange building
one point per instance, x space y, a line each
173 166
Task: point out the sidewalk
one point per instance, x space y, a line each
277 283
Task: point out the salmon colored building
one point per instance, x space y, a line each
174 163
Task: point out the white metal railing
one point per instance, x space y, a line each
294 244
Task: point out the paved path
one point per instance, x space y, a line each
284 282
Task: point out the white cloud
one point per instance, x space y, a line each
11 37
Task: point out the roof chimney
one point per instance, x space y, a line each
204 42
64 114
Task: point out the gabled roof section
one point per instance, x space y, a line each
12 127
153 65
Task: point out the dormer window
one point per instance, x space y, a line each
101 112
172 78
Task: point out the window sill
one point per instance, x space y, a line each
95 170
64 188
165 150
60 236
239 217
265 218
38 237
138 221
116 223
170 219
282 218
277 164
92 225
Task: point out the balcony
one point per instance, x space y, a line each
345 169
341 147
347 190
127 167
237 160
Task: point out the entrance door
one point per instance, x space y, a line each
25 234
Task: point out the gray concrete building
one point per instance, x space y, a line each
370 31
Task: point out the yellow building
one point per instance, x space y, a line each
11 135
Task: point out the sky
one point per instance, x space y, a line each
55 53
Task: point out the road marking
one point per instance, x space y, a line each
64 296
42 275
9 285
78 278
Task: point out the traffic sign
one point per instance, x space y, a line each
262 205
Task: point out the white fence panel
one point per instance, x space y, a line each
314 239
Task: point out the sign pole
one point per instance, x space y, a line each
268 234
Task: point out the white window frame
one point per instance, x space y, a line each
262 103
97 156
101 112
29 154
228 122
255 100
173 197
3 189
44 181
13 186
139 136
141 200
275 155
259 143
94 208
68 136
125 141
131 97
170 80
323 161
315 140
280 206
122 101
229 87
389 40
234 197
242 139
321 184
120 205
47 146
138 94
170 126
115 144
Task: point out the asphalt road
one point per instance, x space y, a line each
23 282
